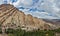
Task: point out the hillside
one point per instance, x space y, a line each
11 17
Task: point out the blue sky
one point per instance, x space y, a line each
47 9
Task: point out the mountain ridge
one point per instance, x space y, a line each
11 17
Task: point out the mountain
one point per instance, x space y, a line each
53 21
11 17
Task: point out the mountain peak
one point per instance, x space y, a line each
2 5
6 7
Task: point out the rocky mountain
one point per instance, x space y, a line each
53 21
11 17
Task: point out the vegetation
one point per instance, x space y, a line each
19 32
0 30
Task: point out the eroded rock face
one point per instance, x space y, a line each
11 17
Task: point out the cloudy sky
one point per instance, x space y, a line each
47 9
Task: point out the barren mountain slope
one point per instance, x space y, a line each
11 17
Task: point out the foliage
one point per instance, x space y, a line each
19 32
0 30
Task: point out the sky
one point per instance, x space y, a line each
46 9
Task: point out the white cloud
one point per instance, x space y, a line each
1 2
44 15
49 6
24 3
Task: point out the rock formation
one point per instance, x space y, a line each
11 17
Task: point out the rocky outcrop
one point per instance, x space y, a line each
11 17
